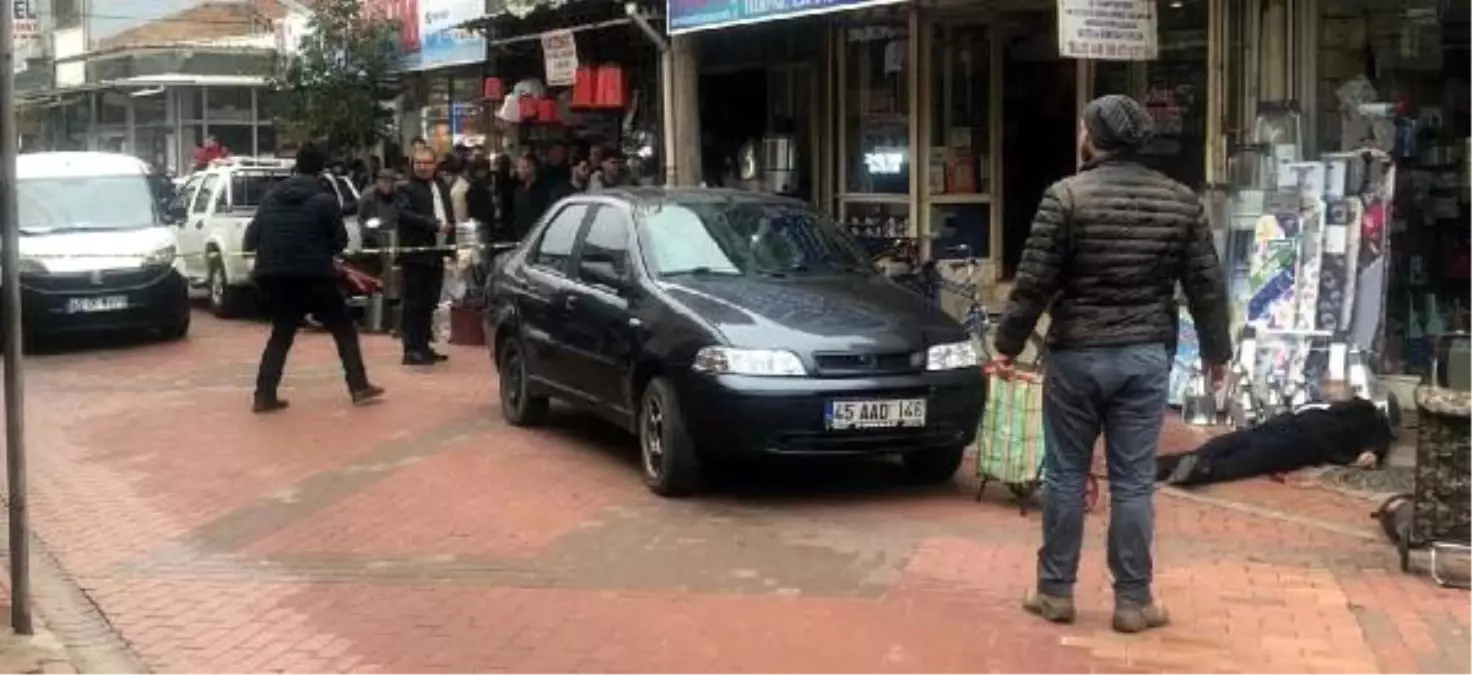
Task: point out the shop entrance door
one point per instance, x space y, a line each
1039 111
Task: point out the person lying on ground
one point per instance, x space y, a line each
1345 433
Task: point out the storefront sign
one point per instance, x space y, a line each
25 32
560 53
1108 30
427 33
689 16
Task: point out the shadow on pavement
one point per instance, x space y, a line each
761 479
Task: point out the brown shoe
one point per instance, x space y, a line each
1132 618
1049 607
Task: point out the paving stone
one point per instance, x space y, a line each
425 535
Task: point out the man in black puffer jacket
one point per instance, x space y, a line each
296 235
1107 248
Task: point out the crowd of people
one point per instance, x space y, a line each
505 196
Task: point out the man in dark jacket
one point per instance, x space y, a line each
532 198
1107 248
296 235
424 222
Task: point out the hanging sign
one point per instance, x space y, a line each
560 54
1108 30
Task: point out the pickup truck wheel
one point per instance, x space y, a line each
669 459
226 301
935 465
519 405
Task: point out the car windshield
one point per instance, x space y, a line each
738 238
84 203
248 187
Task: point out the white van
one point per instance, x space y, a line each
96 253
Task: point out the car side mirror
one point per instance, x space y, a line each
604 271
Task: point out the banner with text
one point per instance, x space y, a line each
1108 30
689 16
560 55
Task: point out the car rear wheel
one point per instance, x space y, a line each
666 450
226 301
936 465
519 405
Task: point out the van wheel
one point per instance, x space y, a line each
669 459
226 301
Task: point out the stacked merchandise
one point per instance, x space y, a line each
1317 275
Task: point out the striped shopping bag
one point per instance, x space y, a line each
1010 443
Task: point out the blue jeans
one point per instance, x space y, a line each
1122 392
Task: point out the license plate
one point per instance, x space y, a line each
101 303
876 414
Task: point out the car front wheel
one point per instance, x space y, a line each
667 452
933 466
519 405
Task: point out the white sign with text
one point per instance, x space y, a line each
560 53
1108 30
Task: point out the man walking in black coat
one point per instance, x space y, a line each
424 222
1108 247
296 235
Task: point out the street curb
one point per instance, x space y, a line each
1269 513
91 642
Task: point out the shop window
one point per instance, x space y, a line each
112 108
150 110
1174 90
235 137
229 104
191 103
266 141
876 109
960 111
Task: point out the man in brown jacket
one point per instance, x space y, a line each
1107 248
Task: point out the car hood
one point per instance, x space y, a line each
808 314
95 249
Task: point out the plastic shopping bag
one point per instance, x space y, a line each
1011 437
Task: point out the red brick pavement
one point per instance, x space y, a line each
425 535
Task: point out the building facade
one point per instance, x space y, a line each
160 89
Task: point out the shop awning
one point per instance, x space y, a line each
691 16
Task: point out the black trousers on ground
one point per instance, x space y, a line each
422 284
288 302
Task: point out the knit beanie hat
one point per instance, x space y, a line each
1118 122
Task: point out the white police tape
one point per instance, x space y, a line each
209 255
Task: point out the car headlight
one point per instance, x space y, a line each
160 258
759 362
952 356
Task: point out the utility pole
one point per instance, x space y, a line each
15 437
